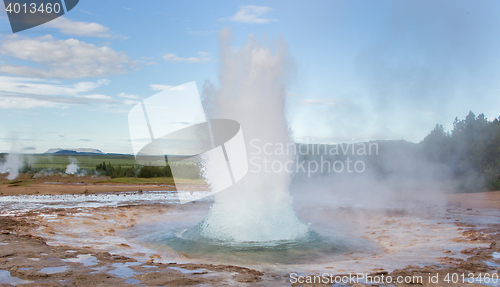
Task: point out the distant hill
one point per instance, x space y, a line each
78 151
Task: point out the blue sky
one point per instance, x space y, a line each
365 70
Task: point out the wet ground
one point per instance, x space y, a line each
127 239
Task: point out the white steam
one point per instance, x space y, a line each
12 165
72 168
252 89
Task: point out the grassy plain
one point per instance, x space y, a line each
51 161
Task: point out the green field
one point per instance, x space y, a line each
50 161
155 180
112 165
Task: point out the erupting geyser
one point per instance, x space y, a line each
252 90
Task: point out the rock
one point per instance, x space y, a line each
495 245
474 266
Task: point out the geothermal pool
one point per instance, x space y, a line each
344 238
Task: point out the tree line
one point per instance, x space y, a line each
471 150
185 170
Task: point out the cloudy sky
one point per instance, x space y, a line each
365 69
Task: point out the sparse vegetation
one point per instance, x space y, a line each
114 166
117 170
186 170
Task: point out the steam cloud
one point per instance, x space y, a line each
252 87
72 168
12 165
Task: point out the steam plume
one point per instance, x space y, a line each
252 88
12 165
72 168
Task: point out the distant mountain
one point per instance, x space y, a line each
73 151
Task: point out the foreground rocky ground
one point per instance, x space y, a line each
30 255
34 263
29 184
480 267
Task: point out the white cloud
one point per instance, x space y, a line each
98 97
87 86
175 58
171 57
166 87
63 59
130 102
66 26
24 103
43 87
123 95
326 102
160 87
252 14
25 93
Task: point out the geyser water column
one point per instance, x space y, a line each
252 90
254 205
